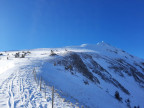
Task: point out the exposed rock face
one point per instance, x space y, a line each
88 69
104 74
115 62
77 63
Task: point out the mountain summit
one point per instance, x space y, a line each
89 76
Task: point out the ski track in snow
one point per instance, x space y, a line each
19 89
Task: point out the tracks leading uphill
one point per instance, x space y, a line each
19 89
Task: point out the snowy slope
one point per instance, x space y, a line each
18 87
86 75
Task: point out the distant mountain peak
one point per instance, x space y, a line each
103 44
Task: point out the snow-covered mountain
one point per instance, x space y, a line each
89 76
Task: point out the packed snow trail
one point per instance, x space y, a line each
87 75
19 89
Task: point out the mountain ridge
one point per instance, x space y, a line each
87 74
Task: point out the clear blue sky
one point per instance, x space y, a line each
28 24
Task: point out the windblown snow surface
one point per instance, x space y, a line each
85 76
